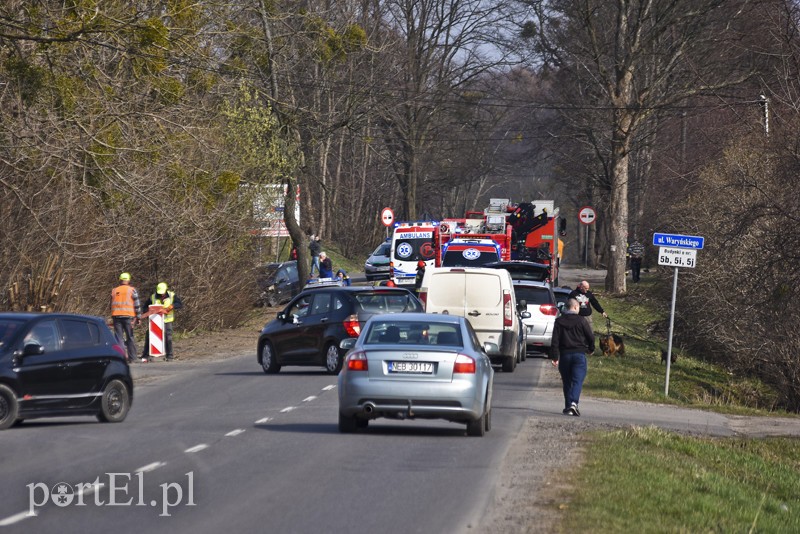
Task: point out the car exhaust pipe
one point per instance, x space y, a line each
369 408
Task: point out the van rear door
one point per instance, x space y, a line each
483 302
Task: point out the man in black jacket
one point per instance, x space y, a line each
586 300
572 340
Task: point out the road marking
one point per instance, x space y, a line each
197 448
287 409
307 399
150 467
328 388
264 420
16 518
235 432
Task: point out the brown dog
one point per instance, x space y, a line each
672 357
612 344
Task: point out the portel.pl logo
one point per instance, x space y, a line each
120 489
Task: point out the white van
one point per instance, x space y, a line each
485 297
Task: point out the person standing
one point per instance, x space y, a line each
341 274
315 248
125 313
586 300
636 252
325 266
572 340
419 277
170 302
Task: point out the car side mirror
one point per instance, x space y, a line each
32 349
525 314
347 343
491 348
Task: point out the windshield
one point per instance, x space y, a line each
383 250
468 258
8 328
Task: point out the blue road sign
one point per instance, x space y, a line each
679 241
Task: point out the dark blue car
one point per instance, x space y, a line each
59 364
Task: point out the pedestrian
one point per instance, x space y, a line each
325 266
419 277
636 252
586 300
170 302
572 340
125 313
316 248
341 274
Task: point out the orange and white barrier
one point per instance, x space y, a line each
156 330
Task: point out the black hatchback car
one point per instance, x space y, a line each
58 364
309 329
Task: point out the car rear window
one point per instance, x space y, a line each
414 333
533 295
387 302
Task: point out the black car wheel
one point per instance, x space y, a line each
510 363
333 360
477 427
115 403
347 425
268 361
8 407
488 423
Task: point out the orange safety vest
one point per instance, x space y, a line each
122 301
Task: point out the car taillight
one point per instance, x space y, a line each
391 269
548 309
508 309
120 350
357 361
351 326
464 364
423 298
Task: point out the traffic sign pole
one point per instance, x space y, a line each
671 326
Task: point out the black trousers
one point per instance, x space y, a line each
636 268
123 328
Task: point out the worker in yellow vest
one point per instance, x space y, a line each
125 313
171 302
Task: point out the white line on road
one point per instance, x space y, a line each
235 432
328 388
264 420
16 518
307 399
197 448
287 409
150 467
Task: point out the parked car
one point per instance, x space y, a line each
524 270
377 265
59 364
561 294
278 282
486 298
417 365
541 305
309 329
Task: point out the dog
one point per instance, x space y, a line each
672 357
612 344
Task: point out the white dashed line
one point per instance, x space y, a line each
308 399
150 467
287 409
16 518
235 432
265 420
328 388
197 448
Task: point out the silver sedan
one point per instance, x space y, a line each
416 365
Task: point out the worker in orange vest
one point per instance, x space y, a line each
125 313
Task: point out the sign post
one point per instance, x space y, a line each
675 251
387 218
586 216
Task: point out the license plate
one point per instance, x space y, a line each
424 368
405 281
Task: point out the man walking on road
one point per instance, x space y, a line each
572 340
125 313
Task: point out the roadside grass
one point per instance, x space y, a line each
649 480
642 318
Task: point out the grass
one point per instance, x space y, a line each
649 480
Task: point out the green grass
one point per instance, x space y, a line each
641 317
648 480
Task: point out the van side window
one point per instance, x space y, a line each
78 334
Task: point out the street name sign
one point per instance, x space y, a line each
679 241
